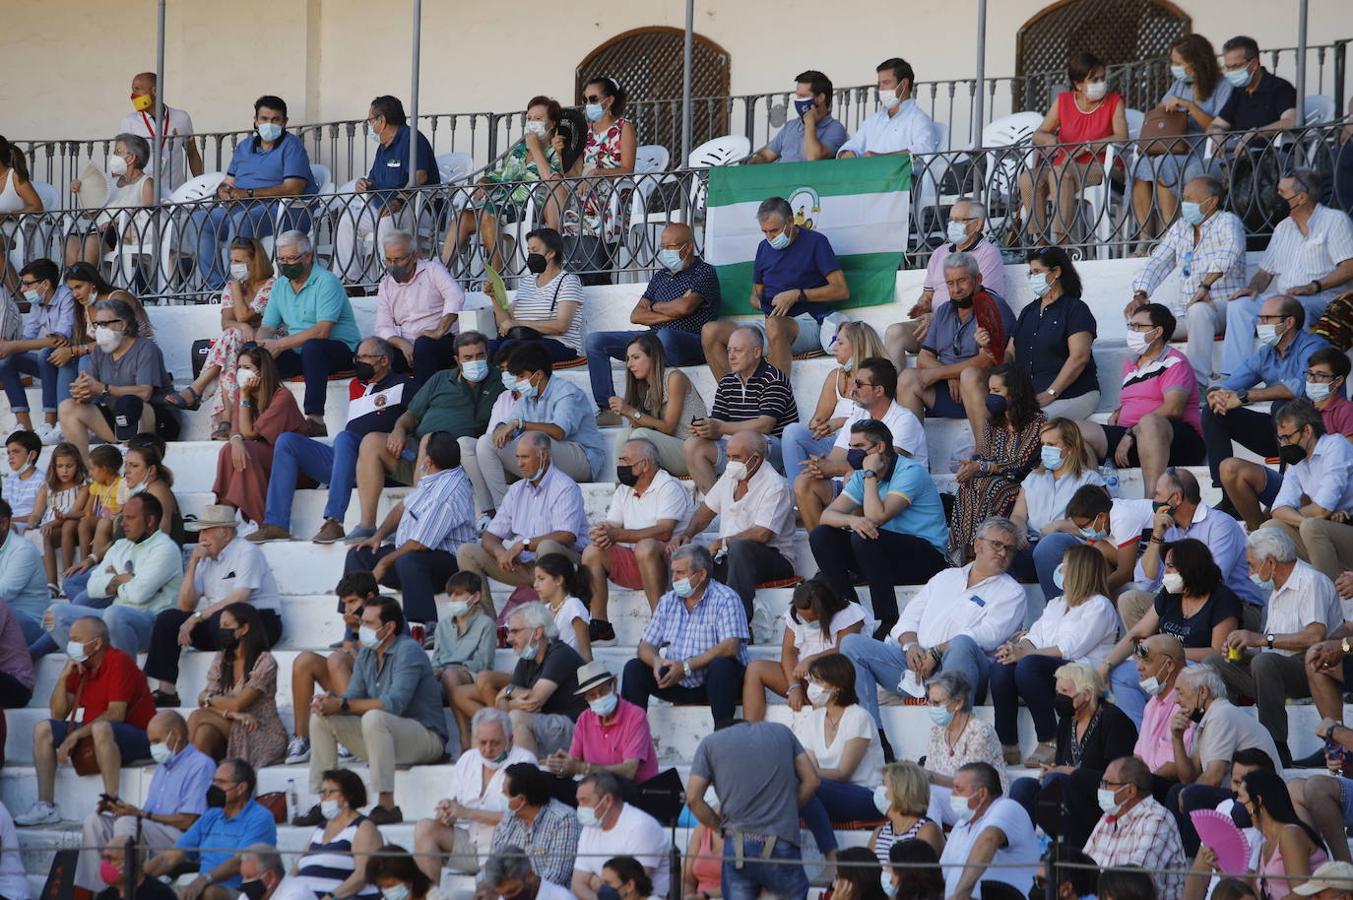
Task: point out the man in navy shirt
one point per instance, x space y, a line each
382 208
268 164
374 406
810 135
795 279
1259 101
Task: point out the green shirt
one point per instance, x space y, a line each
448 403
473 649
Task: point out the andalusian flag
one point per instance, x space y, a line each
862 205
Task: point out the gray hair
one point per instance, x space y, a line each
537 615
491 715
123 310
1206 676
268 858
753 330
979 209
607 784
96 625
645 448
775 206
1301 413
403 238
1272 543
1211 185
298 239
955 684
1136 773
136 145
538 439
381 346
507 863
1311 181
1000 523
962 259
696 554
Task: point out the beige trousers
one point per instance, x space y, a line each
1326 545
488 466
100 830
382 739
474 558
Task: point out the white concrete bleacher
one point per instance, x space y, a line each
306 573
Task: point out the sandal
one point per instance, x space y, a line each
220 430
177 400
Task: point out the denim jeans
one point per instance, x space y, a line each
56 381
797 444
836 801
1031 678
682 348
219 224
1048 553
295 455
882 664
317 359
779 876
1127 693
80 599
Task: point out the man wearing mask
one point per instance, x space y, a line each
509 873
682 296
900 125
417 307
950 340
309 303
1206 246
379 207
376 399
611 736
176 798
50 324
612 827
1159 663
1310 257
173 133
269 164
115 706
810 133
391 713
1135 830
232 822
113 869
457 401
966 233
887 524
992 830
264 877
1259 101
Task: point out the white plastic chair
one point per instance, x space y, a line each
649 160
39 229
454 167
324 183
1100 196
1319 109
1002 171
193 191
728 150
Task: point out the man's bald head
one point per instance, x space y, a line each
1166 645
144 83
676 233
163 724
744 445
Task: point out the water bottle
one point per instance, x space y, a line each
1109 472
293 801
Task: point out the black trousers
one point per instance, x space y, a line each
747 564
13 694
1253 430
418 576
162 659
889 560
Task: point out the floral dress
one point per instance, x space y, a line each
266 744
518 166
225 350
983 496
602 152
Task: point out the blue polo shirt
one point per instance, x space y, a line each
388 168
252 166
180 784
321 299
924 515
226 837
805 263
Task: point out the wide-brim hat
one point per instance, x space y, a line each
217 515
592 675
1331 876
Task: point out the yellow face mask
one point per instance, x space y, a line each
142 102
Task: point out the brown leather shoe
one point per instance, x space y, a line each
316 428
379 815
330 532
310 818
268 532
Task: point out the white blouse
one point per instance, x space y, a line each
855 723
572 608
808 638
1084 634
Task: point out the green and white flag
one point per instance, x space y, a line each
861 205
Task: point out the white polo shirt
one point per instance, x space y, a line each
666 498
635 834
908 433
768 503
988 612
174 163
467 787
1307 596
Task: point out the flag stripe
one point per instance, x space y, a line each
858 223
872 278
752 184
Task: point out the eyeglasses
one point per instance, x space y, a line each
1321 377
1141 651
592 98
1111 785
1005 549
1140 327
1273 318
114 324
864 384
1290 438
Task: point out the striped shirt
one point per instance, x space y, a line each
697 278
685 632
530 510
1299 259
537 303
327 864
439 512
766 393
22 494
550 842
1220 248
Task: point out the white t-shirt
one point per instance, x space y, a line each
1128 519
549 891
855 723
908 433
635 834
572 608
1014 863
175 158
539 304
1085 634
808 639
13 878
768 503
665 498
466 780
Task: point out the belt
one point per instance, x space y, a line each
739 857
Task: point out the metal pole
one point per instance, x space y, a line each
688 53
979 102
413 97
157 147
1302 10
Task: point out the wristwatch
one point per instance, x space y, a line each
1344 646
1268 640
869 473
1051 392
343 705
1243 397
1315 283
1329 732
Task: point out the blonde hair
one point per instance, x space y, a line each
864 342
260 264
908 788
1082 678
1070 434
1085 574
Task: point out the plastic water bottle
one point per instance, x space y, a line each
293 801
1109 472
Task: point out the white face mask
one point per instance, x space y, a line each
736 469
107 339
161 753
1107 803
245 377
457 608
239 271
888 100
957 233
817 694
1174 582
328 809
1317 391
1096 90
117 165
1268 334
536 127
959 806
1137 342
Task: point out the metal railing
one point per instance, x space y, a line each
612 225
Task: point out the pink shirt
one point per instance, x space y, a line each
1338 416
1144 388
1155 746
626 736
988 261
409 309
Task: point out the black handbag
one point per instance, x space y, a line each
199 355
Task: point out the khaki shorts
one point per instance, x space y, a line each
404 466
552 732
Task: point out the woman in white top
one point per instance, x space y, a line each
1040 507
842 742
659 402
1080 626
855 342
815 623
130 186
17 198
548 306
566 589
334 862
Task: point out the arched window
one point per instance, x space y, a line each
648 64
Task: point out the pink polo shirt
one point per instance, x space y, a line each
989 262
1338 416
1155 746
626 736
409 309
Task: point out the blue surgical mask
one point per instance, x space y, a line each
957 233
881 802
1239 78
1059 573
539 474
594 112
1268 334
509 380
940 715
604 706
1093 534
1264 584
368 637
269 131
398 892
475 370
683 588
886 882
76 651
1051 457
527 652
780 241
1317 391
526 389
587 817
1191 212
1038 283
1179 73
32 297
670 259
373 137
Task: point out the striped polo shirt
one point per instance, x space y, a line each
765 393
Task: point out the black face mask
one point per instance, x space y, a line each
1064 705
1291 454
535 263
625 475
253 889
962 304
227 639
1241 816
216 797
364 371
1197 715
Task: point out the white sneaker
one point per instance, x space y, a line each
50 434
344 754
298 750
42 813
